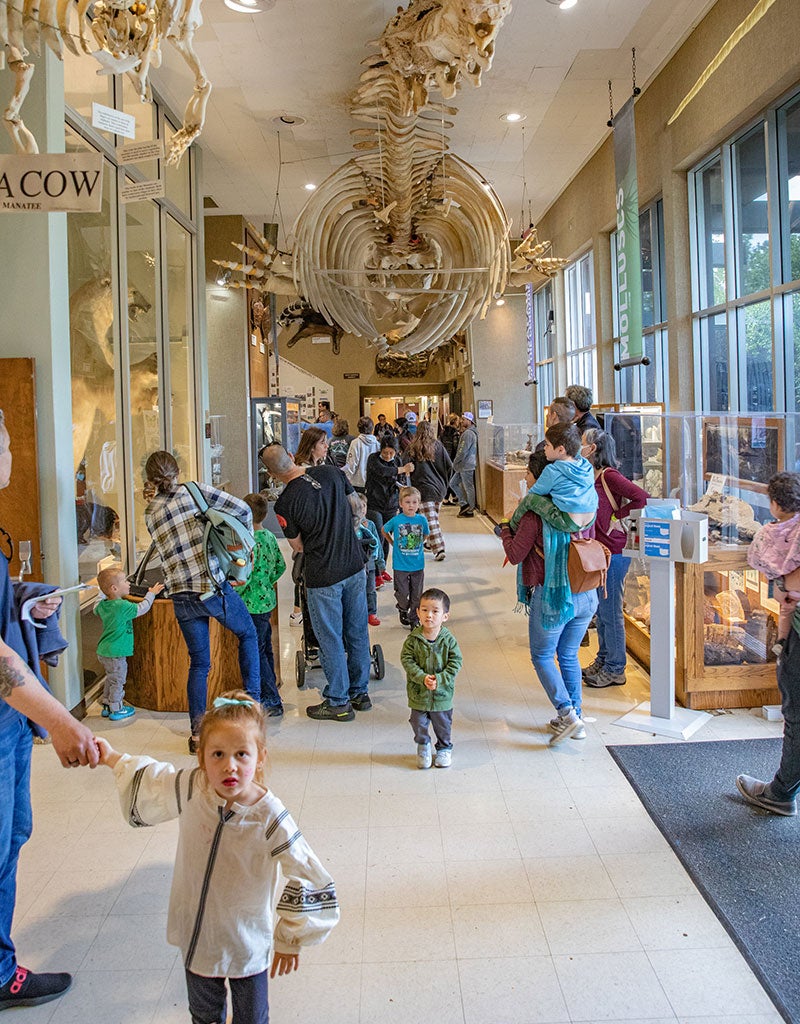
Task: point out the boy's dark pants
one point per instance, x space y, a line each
408 588
372 596
269 688
442 722
786 784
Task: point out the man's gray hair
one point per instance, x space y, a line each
581 396
277 459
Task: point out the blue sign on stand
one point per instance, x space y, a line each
656 549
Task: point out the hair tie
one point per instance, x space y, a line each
221 702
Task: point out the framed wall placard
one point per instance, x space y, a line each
485 408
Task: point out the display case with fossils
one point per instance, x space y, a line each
504 451
726 616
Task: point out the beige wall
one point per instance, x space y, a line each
760 69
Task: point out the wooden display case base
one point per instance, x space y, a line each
159 668
503 493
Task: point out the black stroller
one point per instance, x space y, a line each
308 656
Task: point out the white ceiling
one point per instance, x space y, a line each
303 57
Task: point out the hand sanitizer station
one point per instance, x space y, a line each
665 534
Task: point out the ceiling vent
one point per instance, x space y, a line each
289 121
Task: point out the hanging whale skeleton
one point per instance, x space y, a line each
127 36
406 244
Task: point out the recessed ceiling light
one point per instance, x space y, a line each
309 186
245 7
288 120
513 117
563 4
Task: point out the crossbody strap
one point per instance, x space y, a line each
607 489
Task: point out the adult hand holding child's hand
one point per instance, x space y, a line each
107 755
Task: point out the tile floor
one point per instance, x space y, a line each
523 885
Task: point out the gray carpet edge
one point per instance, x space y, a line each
740 943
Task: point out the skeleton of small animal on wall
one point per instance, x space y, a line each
304 321
406 244
128 38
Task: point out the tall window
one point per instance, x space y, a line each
647 382
746 266
581 341
544 349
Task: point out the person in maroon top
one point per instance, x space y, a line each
561 681
617 496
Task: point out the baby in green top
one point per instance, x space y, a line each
116 641
258 595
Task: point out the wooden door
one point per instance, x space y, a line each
19 502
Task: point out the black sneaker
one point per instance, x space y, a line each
326 712
273 710
28 989
361 701
465 512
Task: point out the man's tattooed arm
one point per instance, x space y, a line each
13 673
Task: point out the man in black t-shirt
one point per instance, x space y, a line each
316 510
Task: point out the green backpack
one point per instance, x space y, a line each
226 540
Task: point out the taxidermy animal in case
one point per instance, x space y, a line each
128 37
406 244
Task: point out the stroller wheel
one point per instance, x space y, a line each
378 664
300 669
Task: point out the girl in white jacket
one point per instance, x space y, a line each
236 843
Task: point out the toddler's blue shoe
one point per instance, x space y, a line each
126 711
106 712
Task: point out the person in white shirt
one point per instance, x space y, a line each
237 845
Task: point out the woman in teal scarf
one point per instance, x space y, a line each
524 541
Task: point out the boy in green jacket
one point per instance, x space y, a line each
431 658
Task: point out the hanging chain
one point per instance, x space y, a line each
636 89
276 206
610 121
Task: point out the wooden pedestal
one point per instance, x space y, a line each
502 490
159 668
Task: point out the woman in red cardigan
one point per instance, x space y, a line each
616 497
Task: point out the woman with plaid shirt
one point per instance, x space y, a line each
197 596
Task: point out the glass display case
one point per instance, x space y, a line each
726 617
504 451
273 419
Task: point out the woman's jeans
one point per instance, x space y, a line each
561 682
610 620
229 610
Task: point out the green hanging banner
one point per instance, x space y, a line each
629 256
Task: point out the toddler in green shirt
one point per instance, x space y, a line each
116 641
258 595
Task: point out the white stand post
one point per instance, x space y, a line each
660 715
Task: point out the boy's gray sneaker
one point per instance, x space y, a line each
443 759
565 726
424 755
604 678
754 792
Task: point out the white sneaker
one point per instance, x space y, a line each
424 756
443 759
565 726
295 618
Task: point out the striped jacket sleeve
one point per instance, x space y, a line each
308 908
150 792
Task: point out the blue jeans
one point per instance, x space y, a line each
463 483
339 617
610 621
16 822
270 697
562 682
208 999
230 611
